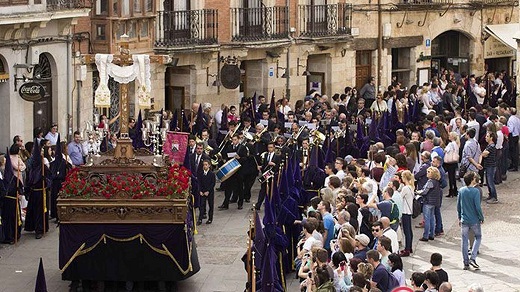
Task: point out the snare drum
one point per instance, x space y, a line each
228 169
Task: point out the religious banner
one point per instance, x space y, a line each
175 146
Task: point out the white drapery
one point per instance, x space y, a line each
139 70
102 93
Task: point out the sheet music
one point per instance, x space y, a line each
231 154
264 122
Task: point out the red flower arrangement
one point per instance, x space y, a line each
176 185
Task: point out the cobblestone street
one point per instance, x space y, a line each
222 244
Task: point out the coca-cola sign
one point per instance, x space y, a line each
32 91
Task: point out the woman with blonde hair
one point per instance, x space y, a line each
432 196
407 192
451 161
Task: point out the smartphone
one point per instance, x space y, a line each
309 275
342 265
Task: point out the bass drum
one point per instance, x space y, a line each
230 76
228 169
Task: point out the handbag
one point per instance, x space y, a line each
451 156
417 208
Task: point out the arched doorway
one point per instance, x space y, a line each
451 50
42 110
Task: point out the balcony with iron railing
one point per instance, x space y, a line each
56 5
186 28
325 20
259 24
425 2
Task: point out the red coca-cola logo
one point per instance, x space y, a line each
32 91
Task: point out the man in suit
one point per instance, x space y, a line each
209 142
232 185
360 110
191 144
248 172
262 139
207 182
197 158
303 154
247 125
270 161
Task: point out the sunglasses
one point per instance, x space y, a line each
375 230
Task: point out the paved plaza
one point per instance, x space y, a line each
222 244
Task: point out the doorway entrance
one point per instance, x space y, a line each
363 68
450 50
42 109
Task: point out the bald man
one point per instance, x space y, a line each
390 233
445 287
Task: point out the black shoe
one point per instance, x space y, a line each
209 221
466 267
199 222
423 239
474 264
39 235
219 189
431 238
247 200
204 216
449 196
222 207
257 207
240 207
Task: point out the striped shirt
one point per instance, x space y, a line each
490 160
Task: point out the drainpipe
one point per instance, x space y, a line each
288 56
379 44
69 92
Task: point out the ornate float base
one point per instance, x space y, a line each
120 211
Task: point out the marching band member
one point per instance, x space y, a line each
303 154
262 138
248 170
270 161
246 122
231 186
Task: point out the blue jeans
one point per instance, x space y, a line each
490 179
429 221
438 221
465 241
408 231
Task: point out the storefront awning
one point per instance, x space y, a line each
505 33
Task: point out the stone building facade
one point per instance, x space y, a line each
224 50
35 46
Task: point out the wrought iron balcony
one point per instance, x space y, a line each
426 2
55 5
325 20
191 27
257 24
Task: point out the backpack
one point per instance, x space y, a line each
394 212
392 281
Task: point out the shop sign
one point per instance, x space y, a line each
494 48
32 91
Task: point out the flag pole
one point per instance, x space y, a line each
43 192
17 212
248 259
253 276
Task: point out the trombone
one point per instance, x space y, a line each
258 136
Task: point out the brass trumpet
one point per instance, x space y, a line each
318 136
258 136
